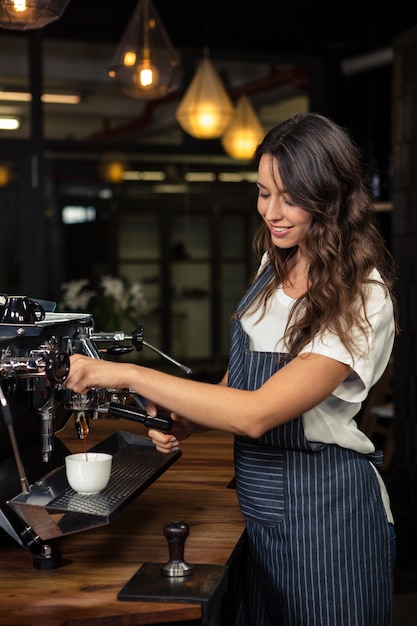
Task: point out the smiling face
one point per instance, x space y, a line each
287 223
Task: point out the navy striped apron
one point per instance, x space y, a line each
317 541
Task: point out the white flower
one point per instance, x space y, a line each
116 301
113 287
138 297
75 296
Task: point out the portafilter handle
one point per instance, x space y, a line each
161 421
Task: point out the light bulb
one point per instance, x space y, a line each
5 175
129 58
147 75
206 119
20 12
245 145
19 5
112 171
115 172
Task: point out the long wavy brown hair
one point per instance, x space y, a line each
321 170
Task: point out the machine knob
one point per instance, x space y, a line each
57 367
176 533
137 337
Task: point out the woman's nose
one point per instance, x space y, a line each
274 209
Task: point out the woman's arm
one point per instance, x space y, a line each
300 385
181 428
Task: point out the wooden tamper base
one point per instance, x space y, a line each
177 580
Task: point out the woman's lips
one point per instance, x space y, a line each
279 231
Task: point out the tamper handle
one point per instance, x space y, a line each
176 533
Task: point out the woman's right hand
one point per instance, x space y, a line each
169 442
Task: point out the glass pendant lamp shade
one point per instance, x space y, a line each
244 132
205 109
30 14
145 64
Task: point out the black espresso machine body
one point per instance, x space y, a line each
36 502
26 352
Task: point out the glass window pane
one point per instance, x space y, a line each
233 283
232 236
190 237
138 237
191 321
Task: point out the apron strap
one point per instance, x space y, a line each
376 457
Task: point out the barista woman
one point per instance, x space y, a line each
311 336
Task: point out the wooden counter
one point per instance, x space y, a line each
97 563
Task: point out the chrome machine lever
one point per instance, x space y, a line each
138 341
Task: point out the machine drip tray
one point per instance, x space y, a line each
53 509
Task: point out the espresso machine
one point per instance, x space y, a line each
36 503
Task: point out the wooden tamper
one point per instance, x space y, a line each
171 582
176 533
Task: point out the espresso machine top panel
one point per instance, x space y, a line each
8 331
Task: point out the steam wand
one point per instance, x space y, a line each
184 368
138 341
8 420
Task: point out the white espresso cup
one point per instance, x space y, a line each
88 472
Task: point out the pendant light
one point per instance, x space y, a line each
111 168
205 109
30 14
145 64
244 132
6 173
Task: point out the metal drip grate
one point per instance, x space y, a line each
132 467
53 509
